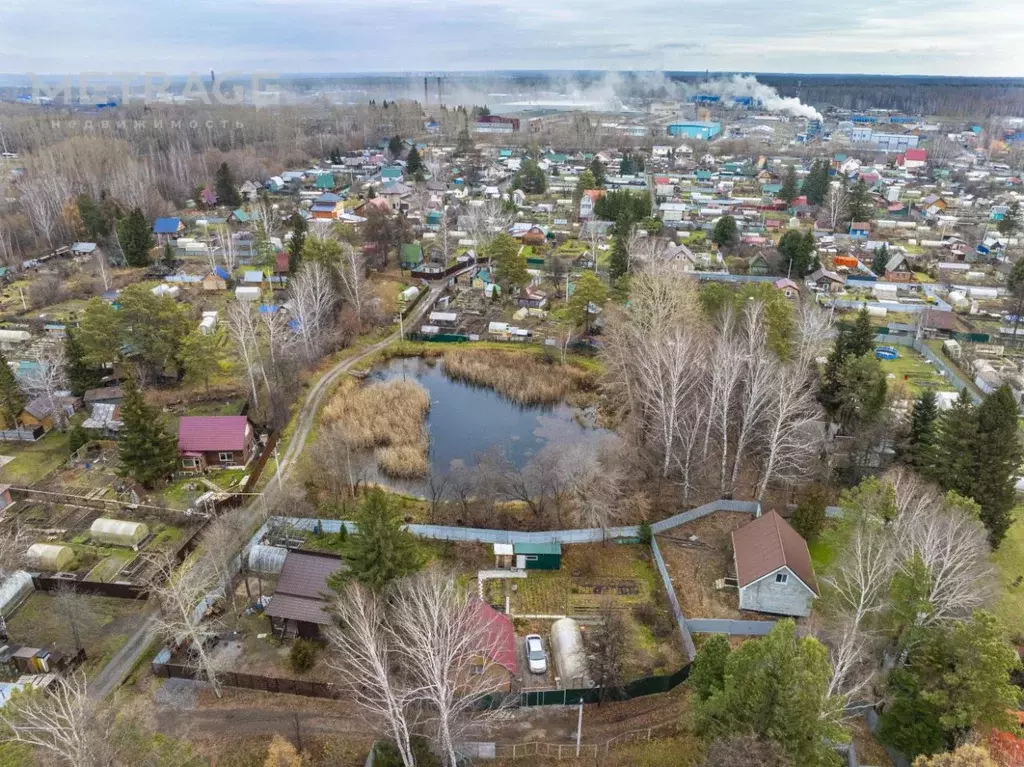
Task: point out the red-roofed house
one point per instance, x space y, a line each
220 440
497 660
589 200
914 158
773 568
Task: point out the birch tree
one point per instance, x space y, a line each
47 377
837 203
726 370
180 595
240 321
312 301
755 390
439 638
63 722
485 222
364 657
352 275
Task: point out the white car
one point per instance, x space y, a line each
536 657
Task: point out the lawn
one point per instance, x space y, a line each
111 622
1009 562
108 569
918 373
33 460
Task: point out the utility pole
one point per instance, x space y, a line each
277 466
579 729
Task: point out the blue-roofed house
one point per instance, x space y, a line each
217 279
167 228
253 277
240 216
391 174
328 206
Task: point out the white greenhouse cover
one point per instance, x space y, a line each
13 589
118 530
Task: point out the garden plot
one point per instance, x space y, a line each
695 564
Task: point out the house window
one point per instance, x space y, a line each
781 577
531 557
226 457
189 463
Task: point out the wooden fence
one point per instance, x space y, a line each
249 681
257 468
95 588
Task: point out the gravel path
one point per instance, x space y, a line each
124 660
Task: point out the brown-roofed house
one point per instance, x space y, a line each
216 440
773 568
298 605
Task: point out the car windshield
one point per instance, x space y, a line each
535 650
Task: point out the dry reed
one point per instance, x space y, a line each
387 416
523 378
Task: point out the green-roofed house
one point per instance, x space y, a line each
557 159
240 216
325 181
411 255
391 174
504 153
538 556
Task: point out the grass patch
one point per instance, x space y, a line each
823 553
34 460
1009 562
387 416
911 369
527 380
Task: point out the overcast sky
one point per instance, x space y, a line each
948 37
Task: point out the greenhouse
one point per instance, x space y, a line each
266 560
570 657
118 532
13 590
49 556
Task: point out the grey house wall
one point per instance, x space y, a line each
767 596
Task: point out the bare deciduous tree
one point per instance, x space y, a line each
364 658
240 321
313 300
47 377
352 274
837 203
485 222
181 595
64 722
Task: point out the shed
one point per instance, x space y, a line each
298 606
773 567
538 556
504 556
118 532
49 556
568 653
247 294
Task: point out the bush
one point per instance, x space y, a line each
645 533
303 655
386 755
645 613
809 516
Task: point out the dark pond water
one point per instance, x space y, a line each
466 421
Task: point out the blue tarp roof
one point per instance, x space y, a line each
221 272
166 225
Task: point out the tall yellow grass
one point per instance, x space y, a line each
522 378
386 416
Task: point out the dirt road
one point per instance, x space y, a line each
124 660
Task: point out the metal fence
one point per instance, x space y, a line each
96 588
673 600
558 751
730 627
949 372
249 681
750 507
22 435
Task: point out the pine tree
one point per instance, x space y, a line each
626 165
508 261
880 260
788 192
956 446
816 183
587 290
298 239
95 223
998 457
725 232
168 256
81 377
463 143
135 238
395 145
224 186
414 163
1011 220
382 550
12 401
147 450
596 167
920 450
618 265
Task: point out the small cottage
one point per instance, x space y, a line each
773 568
214 441
216 280
897 269
538 556
298 607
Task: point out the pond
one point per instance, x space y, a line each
466 421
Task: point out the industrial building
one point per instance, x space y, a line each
702 131
886 142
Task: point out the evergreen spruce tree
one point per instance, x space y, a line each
135 237
12 401
618 265
81 377
414 163
395 145
789 191
920 449
880 260
861 338
596 167
860 202
816 184
224 186
95 223
298 239
382 550
956 446
997 459
147 450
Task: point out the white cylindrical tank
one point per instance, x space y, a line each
570 657
118 532
49 556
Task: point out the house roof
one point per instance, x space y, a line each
499 638
166 225
860 225
221 272
767 544
919 155
41 407
898 260
214 432
538 548
104 392
302 588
